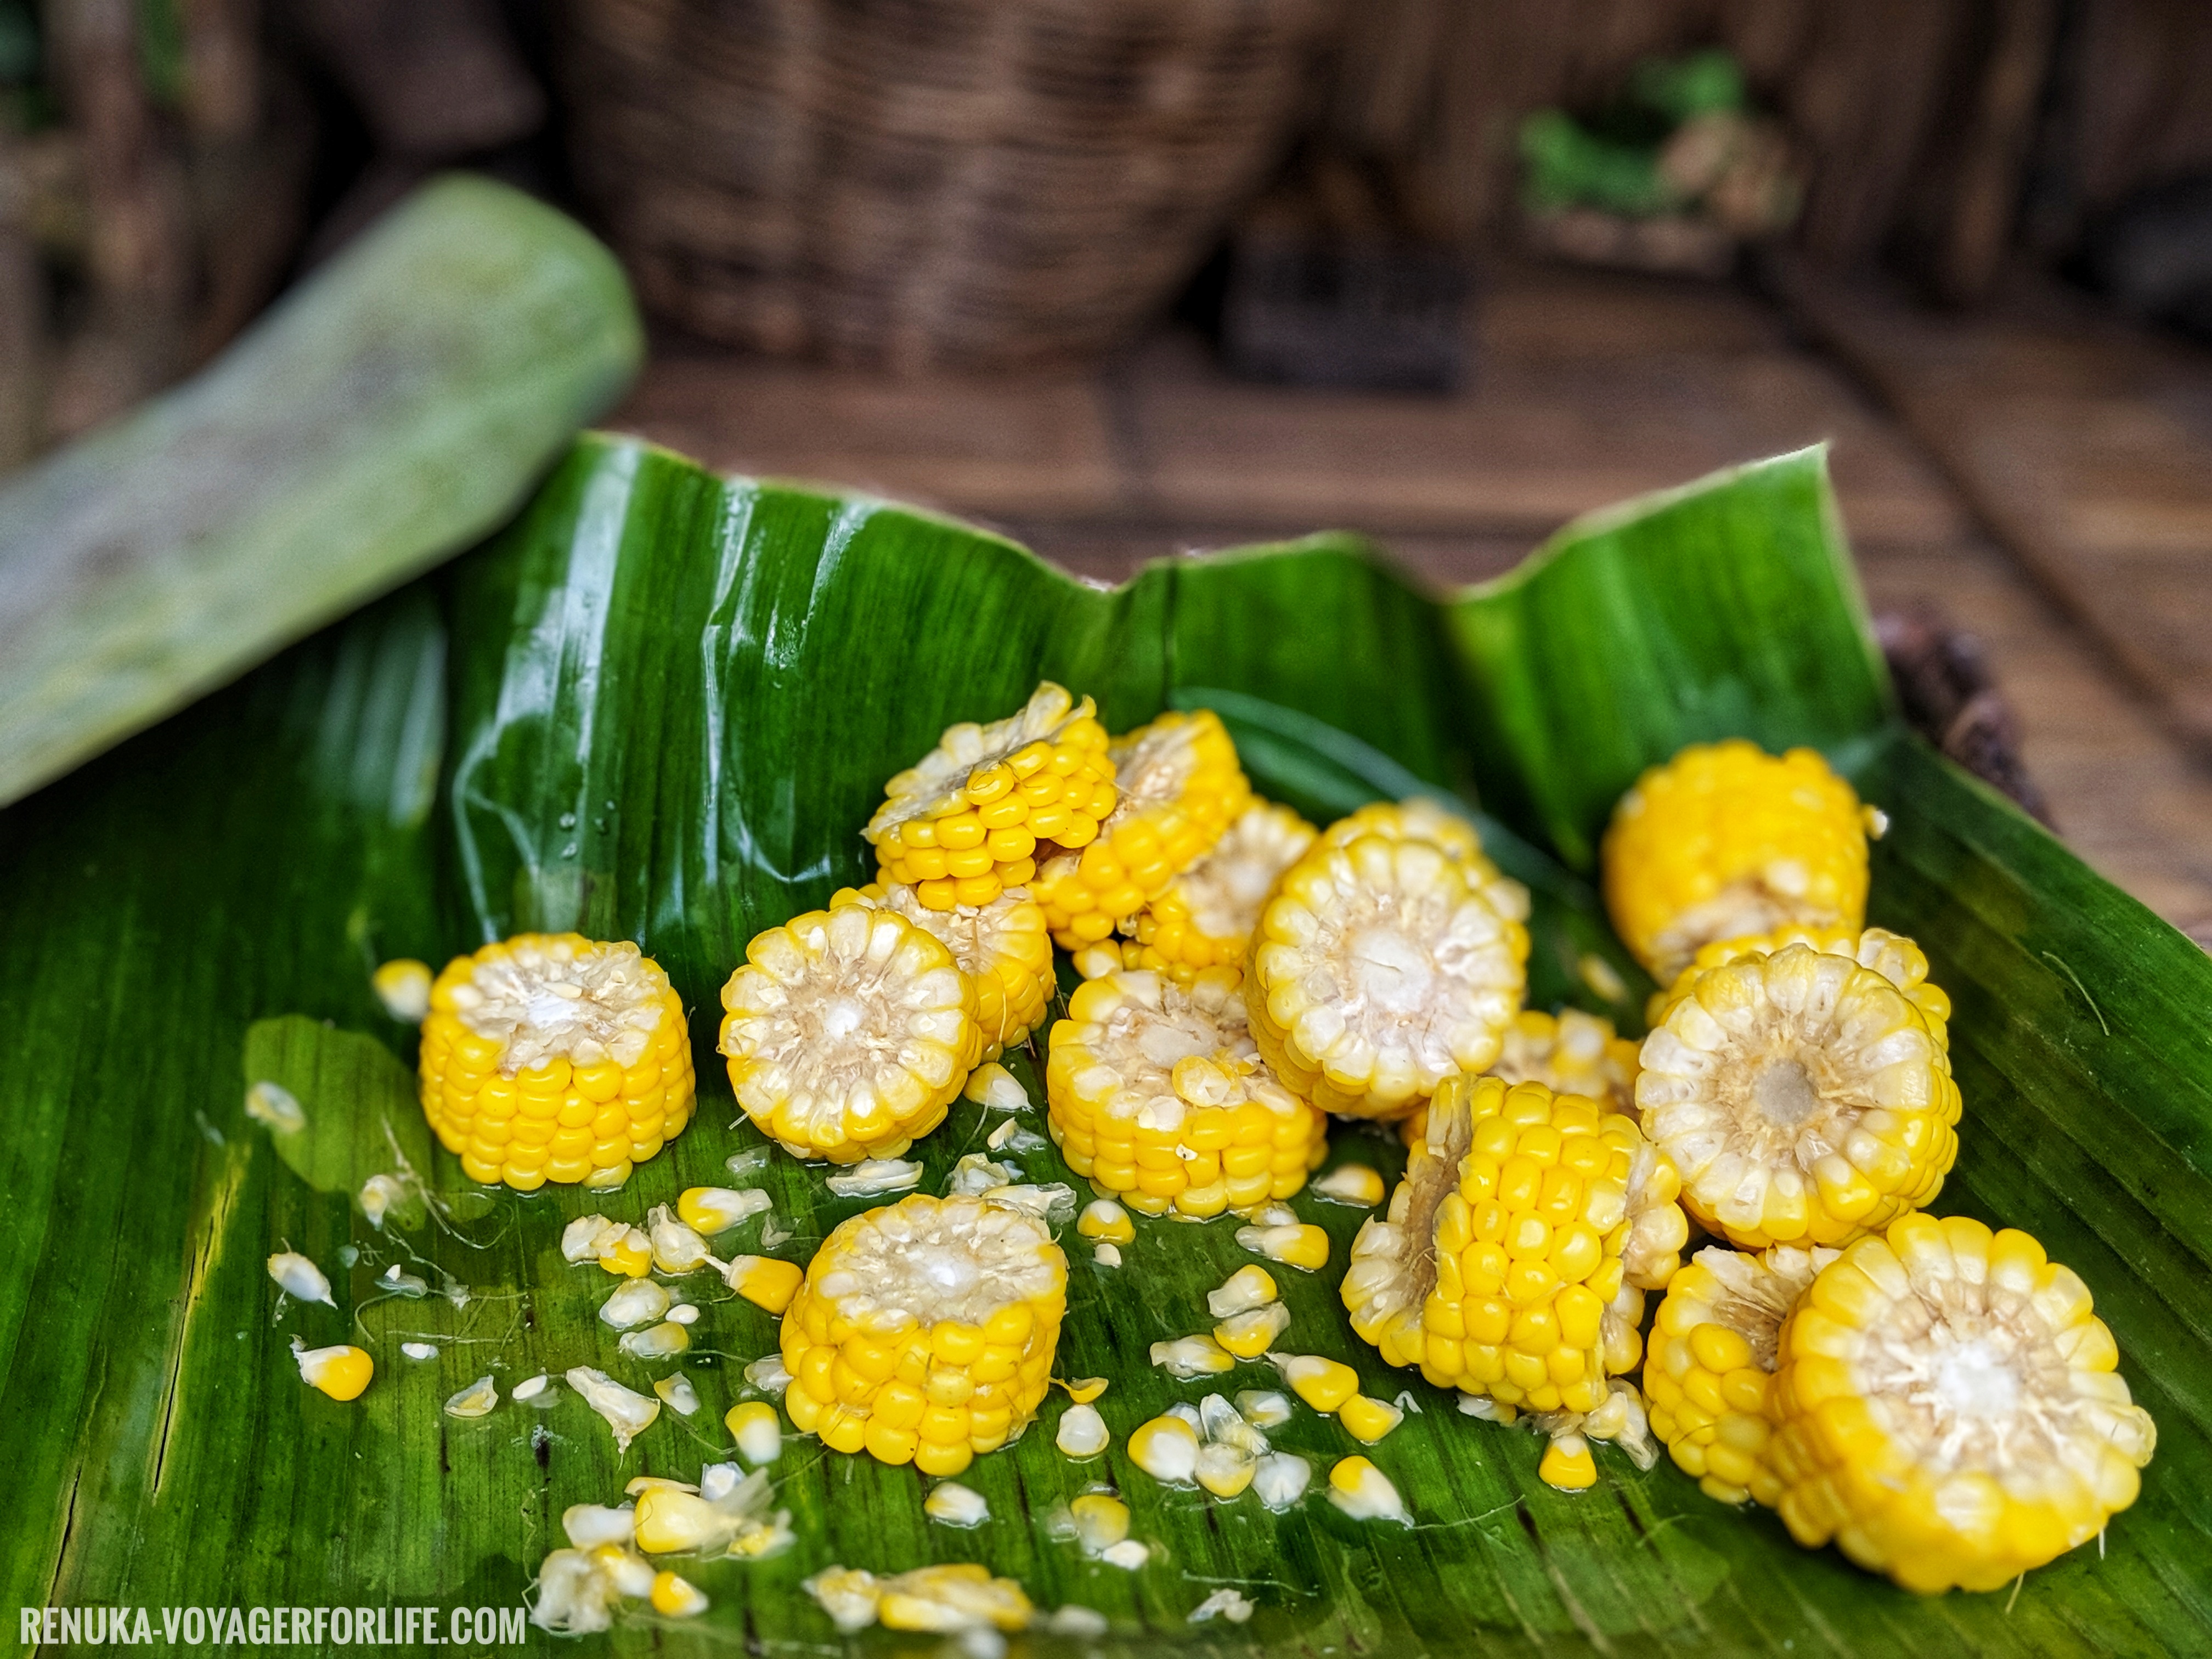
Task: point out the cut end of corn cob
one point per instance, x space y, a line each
1157 1094
848 1033
1950 1409
1205 917
1376 972
341 1372
403 986
1801 1096
1569 1053
965 824
1180 787
1894 957
1002 947
925 1331
1713 1350
1420 819
1500 1266
1726 841
550 1057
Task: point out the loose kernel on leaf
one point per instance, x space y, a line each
683 1312
536 1389
995 1089
1364 1492
754 1425
951 1504
1280 1480
1107 1256
875 1176
768 1373
661 1342
1192 1356
1323 1384
1225 1470
477 1400
765 1281
1166 1448
299 1279
677 1598
419 1350
403 986
683 1399
1368 1420
341 1373
1263 1409
627 1413
638 1303
1305 1247
1229 1604
378 1196
1083 1390
590 1525
1100 1521
277 1106
711 1210
1248 1287
1249 1335
1082 1432
1351 1183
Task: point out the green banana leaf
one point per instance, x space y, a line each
659 705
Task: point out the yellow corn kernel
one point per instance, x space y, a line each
764 1281
1205 917
1323 1384
1510 1262
1247 1288
1364 1492
1188 1356
1102 1521
754 1426
1368 1420
525 1099
924 1331
954 1597
1724 841
1300 1245
2020 1441
627 1255
1166 1448
1001 946
711 1210
1252 1333
1712 1351
1156 1093
1567 1464
341 1372
1801 1096
1377 971
987 796
848 1033
1180 788
677 1598
1353 1183
1226 1469
1103 1219
403 986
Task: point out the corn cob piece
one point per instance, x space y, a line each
1725 840
1892 956
1376 972
1949 1409
848 1033
1420 818
1206 916
1515 1248
1712 1355
552 1058
1156 1095
1569 1053
1181 788
1801 1096
965 823
925 1331
1001 946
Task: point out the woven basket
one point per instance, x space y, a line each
925 183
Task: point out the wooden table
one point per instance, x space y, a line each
1587 388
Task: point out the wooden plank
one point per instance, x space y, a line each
2084 445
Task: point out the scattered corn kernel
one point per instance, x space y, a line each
590 1525
1166 1448
764 1281
1229 1604
1351 1183
1567 1464
1101 1520
995 1089
380 1195
341 1373
661 1341
951 1504
1364 1492
627 1413
419 1350
727 1514
477 1400
1248 1335
768 1373
1073 1620
681 1397
1103 1219
1323 1384
638 1303
1368 1420
755 1426
957 1597
1248 1287
677 1598
578 1589
1083 1390
1082 1433
1264 1409
713 1210
677 1248
1129 1555
1279 1479
1225 1470
1302 1246
1107 1256
274 1104
873 1177
683 1312
550 1057
1192 1356
403 986
299 1277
